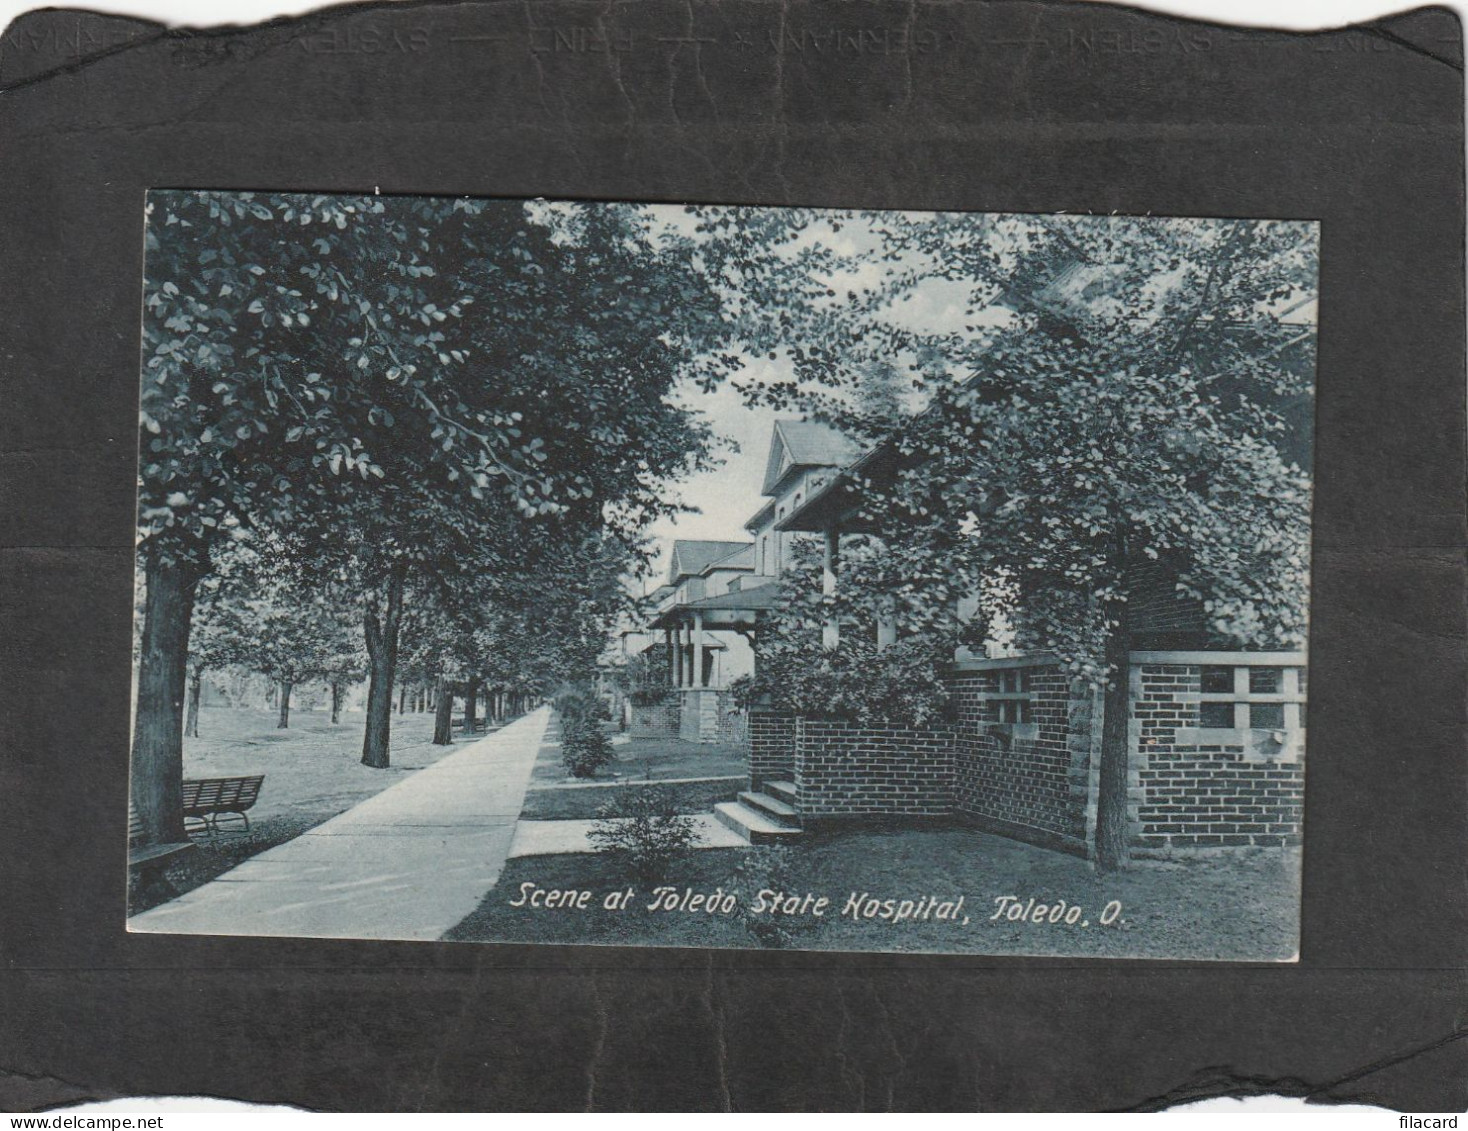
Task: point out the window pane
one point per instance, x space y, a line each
1216 714
1218 681
1304 683
1264 681
1266 716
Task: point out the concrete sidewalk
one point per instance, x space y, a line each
409 863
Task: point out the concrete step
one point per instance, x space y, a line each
781 812
755 826
781 791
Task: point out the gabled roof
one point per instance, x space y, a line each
690 558
805 443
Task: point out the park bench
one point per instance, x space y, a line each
481 726
207 800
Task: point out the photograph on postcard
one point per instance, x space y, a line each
722 576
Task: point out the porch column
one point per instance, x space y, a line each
831 631
672 656
698 650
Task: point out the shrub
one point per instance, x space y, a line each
902 685
770 867
645 829
579 703
646 683
584 748
745 691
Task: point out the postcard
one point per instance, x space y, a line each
591 572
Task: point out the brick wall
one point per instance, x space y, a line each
1036 780
845 770
659 720
1030 781
770 738
1185 794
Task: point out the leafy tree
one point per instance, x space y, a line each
213 644
378 374
343 664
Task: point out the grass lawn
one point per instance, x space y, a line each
313 771
581 803
1243 909
645 759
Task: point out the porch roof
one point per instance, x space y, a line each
735 611
710 641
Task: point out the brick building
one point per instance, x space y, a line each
1216 735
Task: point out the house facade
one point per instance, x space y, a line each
1216 736
709 608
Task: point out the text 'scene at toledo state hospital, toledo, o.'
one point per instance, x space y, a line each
857 905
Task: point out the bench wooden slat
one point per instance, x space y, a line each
203 796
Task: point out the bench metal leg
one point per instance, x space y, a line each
244 822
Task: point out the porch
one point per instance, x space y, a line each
708 643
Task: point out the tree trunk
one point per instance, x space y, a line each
471 706
336 701
1111 800
382 653
196 688
402 701
443 720
286 685
171 575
